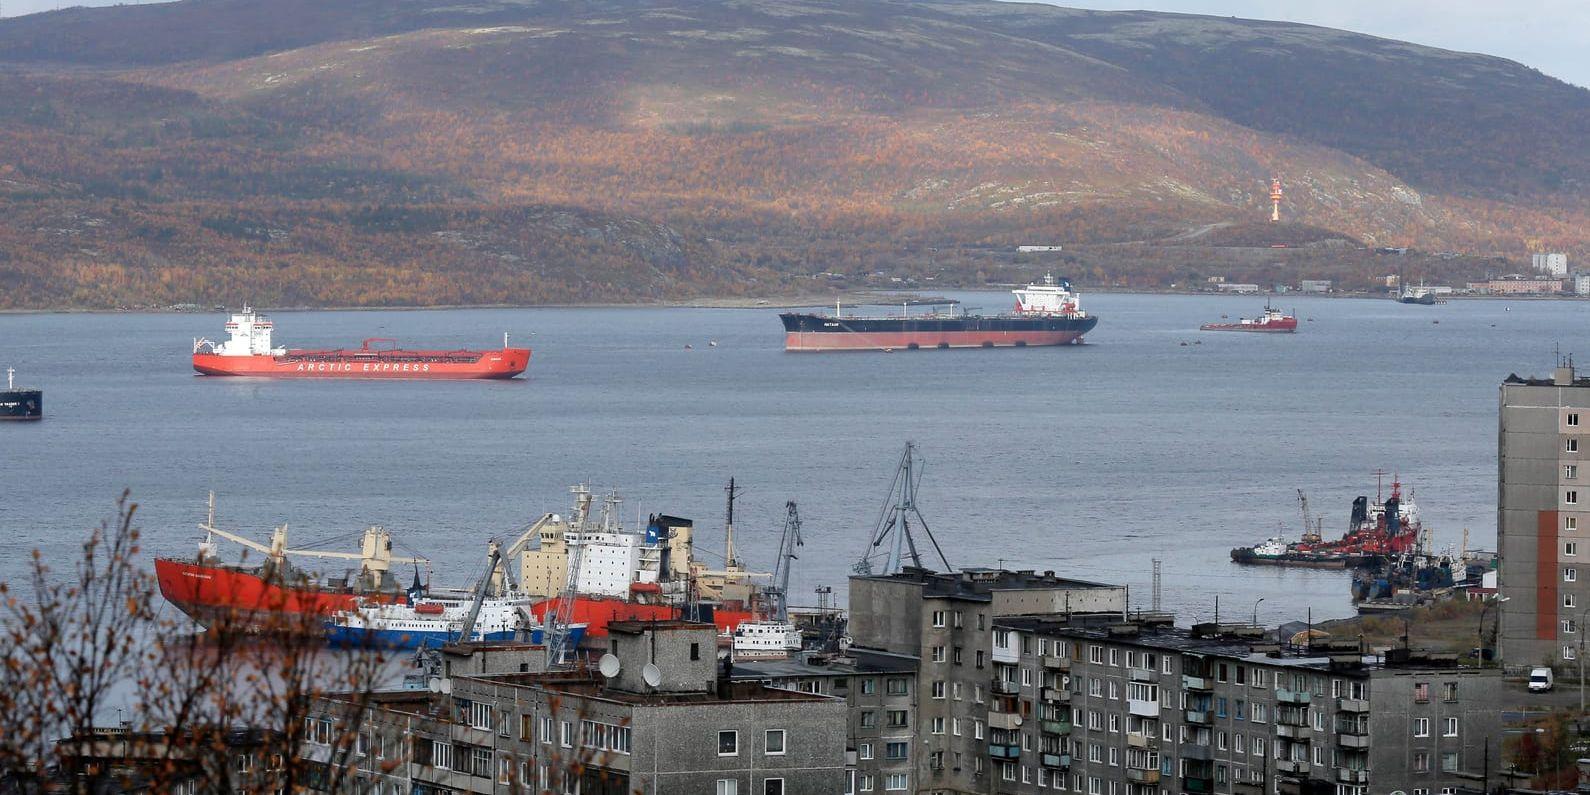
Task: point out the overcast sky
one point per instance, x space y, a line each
1550 35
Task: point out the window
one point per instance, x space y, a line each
1567 653
1568 600
897 782
773 786
1570 575
1570 497
863 750
1570 523
441 754
1449 761
1570 548
1570 446
546 729
897 686
728 743
728 786
937 726
938 654
565 734
939 618
620 736
898 719
896 750
527 728
1573 420
774 742
1567 626
938 689
865 784
1569 472
1449 727
1421 728
695 651
1421 692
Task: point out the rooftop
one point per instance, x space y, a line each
977 583
1563 376
638 627
590 685
858 661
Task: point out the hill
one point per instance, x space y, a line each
499 151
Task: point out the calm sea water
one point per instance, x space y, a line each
1091 461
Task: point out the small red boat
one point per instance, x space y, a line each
1272 321
249 353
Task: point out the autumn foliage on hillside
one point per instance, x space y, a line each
414 154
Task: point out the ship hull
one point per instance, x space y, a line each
354 637
805 332
21 404
387 364
597 612
208 594
1276 328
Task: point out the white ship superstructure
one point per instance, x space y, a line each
1049 297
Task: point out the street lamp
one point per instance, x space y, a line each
1256 611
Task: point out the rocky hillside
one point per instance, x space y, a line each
428 152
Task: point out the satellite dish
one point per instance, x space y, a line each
651 674
608 666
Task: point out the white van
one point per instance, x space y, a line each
1540 680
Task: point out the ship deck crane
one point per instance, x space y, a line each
1311 530
376 546
894 523
555 622
467 631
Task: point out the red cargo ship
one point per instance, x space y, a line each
274 593
249 353
1272 321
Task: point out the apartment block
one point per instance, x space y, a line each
880 692
946 621
1543 501
1147 708
670 720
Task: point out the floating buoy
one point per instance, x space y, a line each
689 347
712 344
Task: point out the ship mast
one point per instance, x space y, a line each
728 529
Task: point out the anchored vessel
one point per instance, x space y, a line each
1047 313
1417 294
248 352
20 404
1272 321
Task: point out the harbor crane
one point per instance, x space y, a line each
777 594
894 522
557 620
1312 528
375 555
467 631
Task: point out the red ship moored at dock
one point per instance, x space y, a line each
249 353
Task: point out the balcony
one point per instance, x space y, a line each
1055 695
1139 741
1142 708
1288 732
1196 683
1060 761
1005 687
1292 696
1055 662
1346 740
1059 728
1198 716
1141 675
1142 776
1293 766
1197 783
1196 751
1350 776
1004 751
1006 721
1352 704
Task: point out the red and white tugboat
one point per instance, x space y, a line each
1272 321
249 353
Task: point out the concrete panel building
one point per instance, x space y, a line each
1542 500
946 620
1144 708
